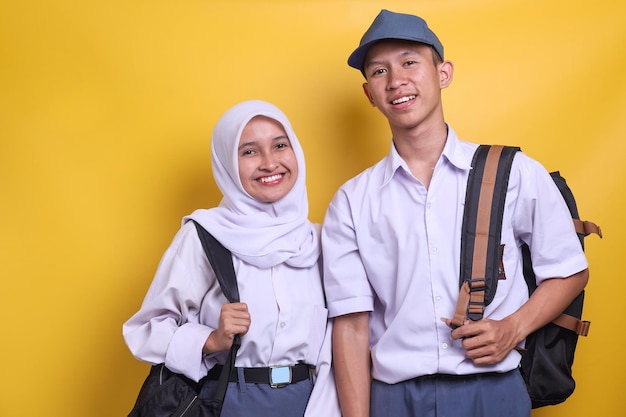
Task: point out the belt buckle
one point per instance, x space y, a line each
280 376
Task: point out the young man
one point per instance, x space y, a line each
391 242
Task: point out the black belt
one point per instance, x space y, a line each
274 376
467 377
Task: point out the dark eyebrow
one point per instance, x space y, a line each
246 144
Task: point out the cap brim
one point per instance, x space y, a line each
357 58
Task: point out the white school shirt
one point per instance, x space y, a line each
289 320
392 247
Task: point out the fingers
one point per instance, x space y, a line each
235 307
486 342
234 319
237 310
461 332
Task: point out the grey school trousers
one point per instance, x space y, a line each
480 395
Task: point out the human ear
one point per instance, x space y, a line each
366 90
446 70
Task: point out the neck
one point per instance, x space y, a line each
421 148
421 143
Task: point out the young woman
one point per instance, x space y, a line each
185 320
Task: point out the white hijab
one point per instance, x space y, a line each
262 234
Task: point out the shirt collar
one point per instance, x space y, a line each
454 153
457 152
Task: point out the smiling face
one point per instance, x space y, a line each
405 84
268 168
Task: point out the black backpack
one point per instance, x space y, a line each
547 359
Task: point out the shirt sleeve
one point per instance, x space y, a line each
167 329
345 280
184 354
544 223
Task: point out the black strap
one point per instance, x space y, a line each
222 262
484 208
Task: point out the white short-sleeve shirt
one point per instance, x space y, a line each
392 247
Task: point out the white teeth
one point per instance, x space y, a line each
403 99
272 178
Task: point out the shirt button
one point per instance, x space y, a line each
433 249
438 299
444 346
282 324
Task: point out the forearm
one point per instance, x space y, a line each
351 361
548 301
489 341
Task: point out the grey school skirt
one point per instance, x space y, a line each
245 399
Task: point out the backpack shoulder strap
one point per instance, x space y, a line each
583 227
482 224
570 318
222 263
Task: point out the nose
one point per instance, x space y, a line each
395 78
269 162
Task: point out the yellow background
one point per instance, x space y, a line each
106 112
